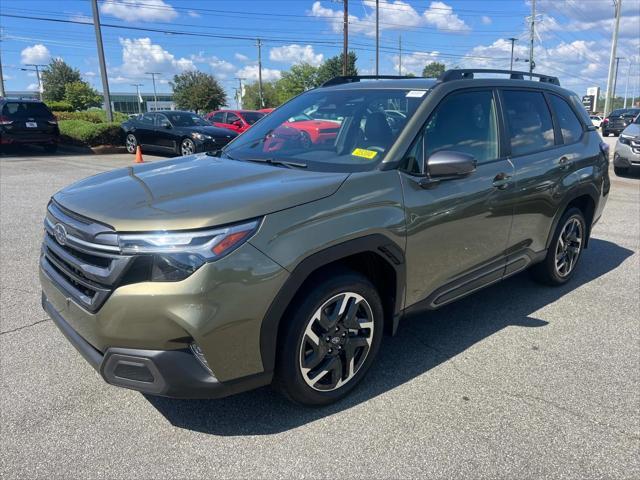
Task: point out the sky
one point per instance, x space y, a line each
573 38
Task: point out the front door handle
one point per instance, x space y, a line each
501 180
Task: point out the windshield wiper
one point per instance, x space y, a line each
274 161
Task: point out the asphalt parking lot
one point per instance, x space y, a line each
516 381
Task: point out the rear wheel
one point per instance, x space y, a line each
565 250
330 339
131 143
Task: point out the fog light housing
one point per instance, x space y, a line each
197 352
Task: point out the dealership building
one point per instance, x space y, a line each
122 102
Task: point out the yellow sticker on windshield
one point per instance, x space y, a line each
361 152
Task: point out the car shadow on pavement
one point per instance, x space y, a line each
423 342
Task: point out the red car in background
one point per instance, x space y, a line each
314 130
236 120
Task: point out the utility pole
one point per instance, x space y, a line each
261 95
615 81
103 65
345 35
155 94
2 94
138 85
513 41
239 92
612 58
532 34
400 55
37 70
626 87
377 36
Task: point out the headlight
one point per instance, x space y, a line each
176 255
201 136
625 139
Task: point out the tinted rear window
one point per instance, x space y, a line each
529 121
25 110
570 126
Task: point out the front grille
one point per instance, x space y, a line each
86 263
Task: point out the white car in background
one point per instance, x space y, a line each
596 120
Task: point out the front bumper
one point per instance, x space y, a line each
626 156
171 373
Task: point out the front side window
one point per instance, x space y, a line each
464 122
529 121
147 119
570 126
331 129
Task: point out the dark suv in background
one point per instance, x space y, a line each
25 121
618 120
284 261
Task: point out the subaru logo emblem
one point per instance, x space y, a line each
60 233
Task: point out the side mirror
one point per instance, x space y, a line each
166 125
448 165
237 123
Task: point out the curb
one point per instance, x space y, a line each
97 150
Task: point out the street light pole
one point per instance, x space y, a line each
37 70
612 58
345 35
615 80
155 94
138 97
533 33
103 65
260 92
513 41
626 87
377 36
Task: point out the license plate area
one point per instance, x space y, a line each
31 124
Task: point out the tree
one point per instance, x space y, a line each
433 70
300 78
251 97
196 91
80 95
332 67
55 78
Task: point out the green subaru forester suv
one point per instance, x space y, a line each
284 257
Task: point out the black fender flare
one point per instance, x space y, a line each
375 243
578 191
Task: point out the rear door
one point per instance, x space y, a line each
164 132
218 119
234 122
145 129
457 230
29 121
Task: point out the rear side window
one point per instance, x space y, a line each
25 110
529 121
218 117
569 124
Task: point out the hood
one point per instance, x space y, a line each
193 192
213 131
632 130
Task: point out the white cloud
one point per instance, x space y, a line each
250 72
486 20
394 15
139 10
81 17
241 58
35 54
140 55
414 62
90 74
193 14
296 54
32 87
441 16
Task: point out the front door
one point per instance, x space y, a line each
164 133
458 229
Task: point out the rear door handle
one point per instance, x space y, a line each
564 163
501 180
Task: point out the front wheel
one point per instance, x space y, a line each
565 250
131 143
187 147
330 339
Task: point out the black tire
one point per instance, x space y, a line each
131 143
187 147
605 133
547 271
621 170
324 289
51 147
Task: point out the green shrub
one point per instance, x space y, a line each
59 106
93 116
82 132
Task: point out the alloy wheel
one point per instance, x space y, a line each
336 341
569 246
131 143
187 147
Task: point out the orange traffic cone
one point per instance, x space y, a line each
139 158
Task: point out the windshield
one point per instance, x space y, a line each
621 112
331 130
183 119
252 117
